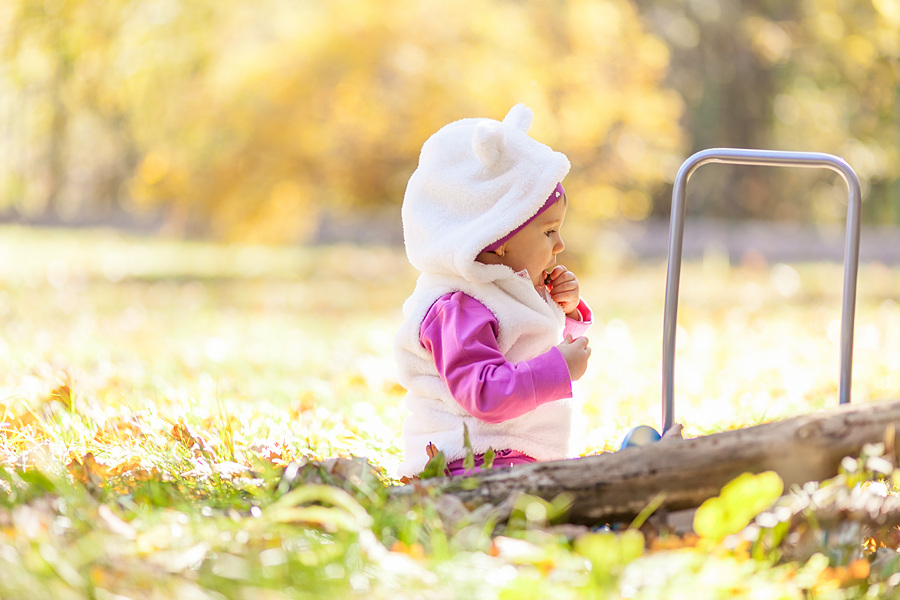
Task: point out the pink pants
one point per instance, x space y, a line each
503 458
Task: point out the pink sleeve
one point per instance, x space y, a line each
579 328
461 334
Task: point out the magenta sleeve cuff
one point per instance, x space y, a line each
579 328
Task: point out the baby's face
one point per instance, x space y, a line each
535 246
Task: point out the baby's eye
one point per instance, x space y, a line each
549 233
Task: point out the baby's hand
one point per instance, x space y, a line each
576 352
564 290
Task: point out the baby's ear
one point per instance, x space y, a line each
520 117
488 142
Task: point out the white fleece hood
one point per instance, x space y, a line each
477 180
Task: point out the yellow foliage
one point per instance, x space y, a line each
250 119
262 114
890 10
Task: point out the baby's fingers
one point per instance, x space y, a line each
558 291
579 343
554 275
556 271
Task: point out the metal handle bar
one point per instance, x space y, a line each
773 158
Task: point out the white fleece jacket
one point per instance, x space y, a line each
529 325
477 180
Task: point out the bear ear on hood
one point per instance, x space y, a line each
489 137
476 181
519 117
488 141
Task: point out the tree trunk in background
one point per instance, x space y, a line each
728 94
56 141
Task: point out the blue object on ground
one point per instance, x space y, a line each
641 435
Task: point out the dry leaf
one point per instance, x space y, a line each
62 394
21 421
116 430
431 450
858 569
184 433
132 463
87 470
415 550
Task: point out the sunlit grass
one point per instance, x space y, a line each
753 343
153 392
292 346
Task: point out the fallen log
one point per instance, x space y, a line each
616 486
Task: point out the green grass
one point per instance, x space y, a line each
152 392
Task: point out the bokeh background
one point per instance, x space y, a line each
201 276
291 120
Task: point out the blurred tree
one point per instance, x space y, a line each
248 119
838 88
80 72
316 107
41 49
816 75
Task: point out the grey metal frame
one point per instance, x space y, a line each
773 158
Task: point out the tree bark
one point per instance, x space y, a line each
617 486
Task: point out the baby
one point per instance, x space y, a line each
493 332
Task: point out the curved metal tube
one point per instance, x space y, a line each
772 158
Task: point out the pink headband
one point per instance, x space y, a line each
555 195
